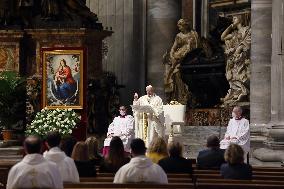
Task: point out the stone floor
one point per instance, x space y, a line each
194 140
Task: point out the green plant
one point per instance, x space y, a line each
61 120
12 100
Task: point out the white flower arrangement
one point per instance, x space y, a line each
61 120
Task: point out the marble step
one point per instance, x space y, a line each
14 150
11 157
4 144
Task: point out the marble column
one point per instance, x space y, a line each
162 17
261 46
274 150
276 131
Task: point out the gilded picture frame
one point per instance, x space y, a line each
62 78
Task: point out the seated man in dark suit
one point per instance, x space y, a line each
175 163
213 156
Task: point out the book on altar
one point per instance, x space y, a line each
142 109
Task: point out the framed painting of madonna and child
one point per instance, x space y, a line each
62 78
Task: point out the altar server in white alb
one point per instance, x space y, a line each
34 171
123 127
237 131
155 120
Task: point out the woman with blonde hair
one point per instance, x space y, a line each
80 155
157 150
94 156
235 168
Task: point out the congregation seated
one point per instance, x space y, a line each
235 168
213 156
66 165
34 171
116 157
157 149
140 168
93 151
67 145
85 167
175 163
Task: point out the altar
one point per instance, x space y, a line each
174 118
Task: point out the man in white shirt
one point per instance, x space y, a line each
155 121
123 127
140 168
66 165
34 171
237 131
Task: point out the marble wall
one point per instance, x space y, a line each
162 17
125 55
261 47
143 31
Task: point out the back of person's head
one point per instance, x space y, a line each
137 146
80 152
53 139
116 152
213 142
158 145
32 145
234 154
67 145
175 149
92 144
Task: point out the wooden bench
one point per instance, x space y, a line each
128 185
237 186
273 182
254 177
110 179
254 172
170 175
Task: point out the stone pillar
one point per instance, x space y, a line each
188 11
204 19
162 17
260 82
275 142
276 132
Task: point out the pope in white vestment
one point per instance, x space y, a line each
123 127
155 120
237 131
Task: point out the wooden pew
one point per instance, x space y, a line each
110 179
254 172
272 182
237 186
254 177
128 185
268 169
170 175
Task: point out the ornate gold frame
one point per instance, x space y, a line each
62 52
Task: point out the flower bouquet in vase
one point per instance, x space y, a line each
60 120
